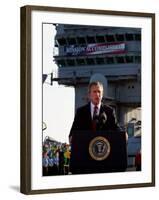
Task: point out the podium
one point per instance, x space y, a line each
98 152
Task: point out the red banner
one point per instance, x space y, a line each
92 49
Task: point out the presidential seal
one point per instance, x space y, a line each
99 148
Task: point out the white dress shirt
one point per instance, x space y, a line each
92 109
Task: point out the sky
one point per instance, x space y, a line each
58 101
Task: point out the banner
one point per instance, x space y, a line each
92 49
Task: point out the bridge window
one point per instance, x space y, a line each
100 61
120 37
61 63
91 39
61 41
90 61
100 39
81 40
110 60
129 36
138 37
80 61
110 38
129 59
137 59
71 62
120 59
71 41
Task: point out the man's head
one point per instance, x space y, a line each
95 92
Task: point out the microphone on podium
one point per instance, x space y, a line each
102 119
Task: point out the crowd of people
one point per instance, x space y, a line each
55 158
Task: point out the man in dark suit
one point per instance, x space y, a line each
94 118
95 115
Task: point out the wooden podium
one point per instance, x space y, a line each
98 152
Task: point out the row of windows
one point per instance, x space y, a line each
98 60
98 39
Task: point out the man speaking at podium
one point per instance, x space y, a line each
94 115
97 142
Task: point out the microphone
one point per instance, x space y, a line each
102 119
96 119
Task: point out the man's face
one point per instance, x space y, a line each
96 94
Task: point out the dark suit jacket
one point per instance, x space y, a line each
83 119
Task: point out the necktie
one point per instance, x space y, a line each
95 112
94 121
